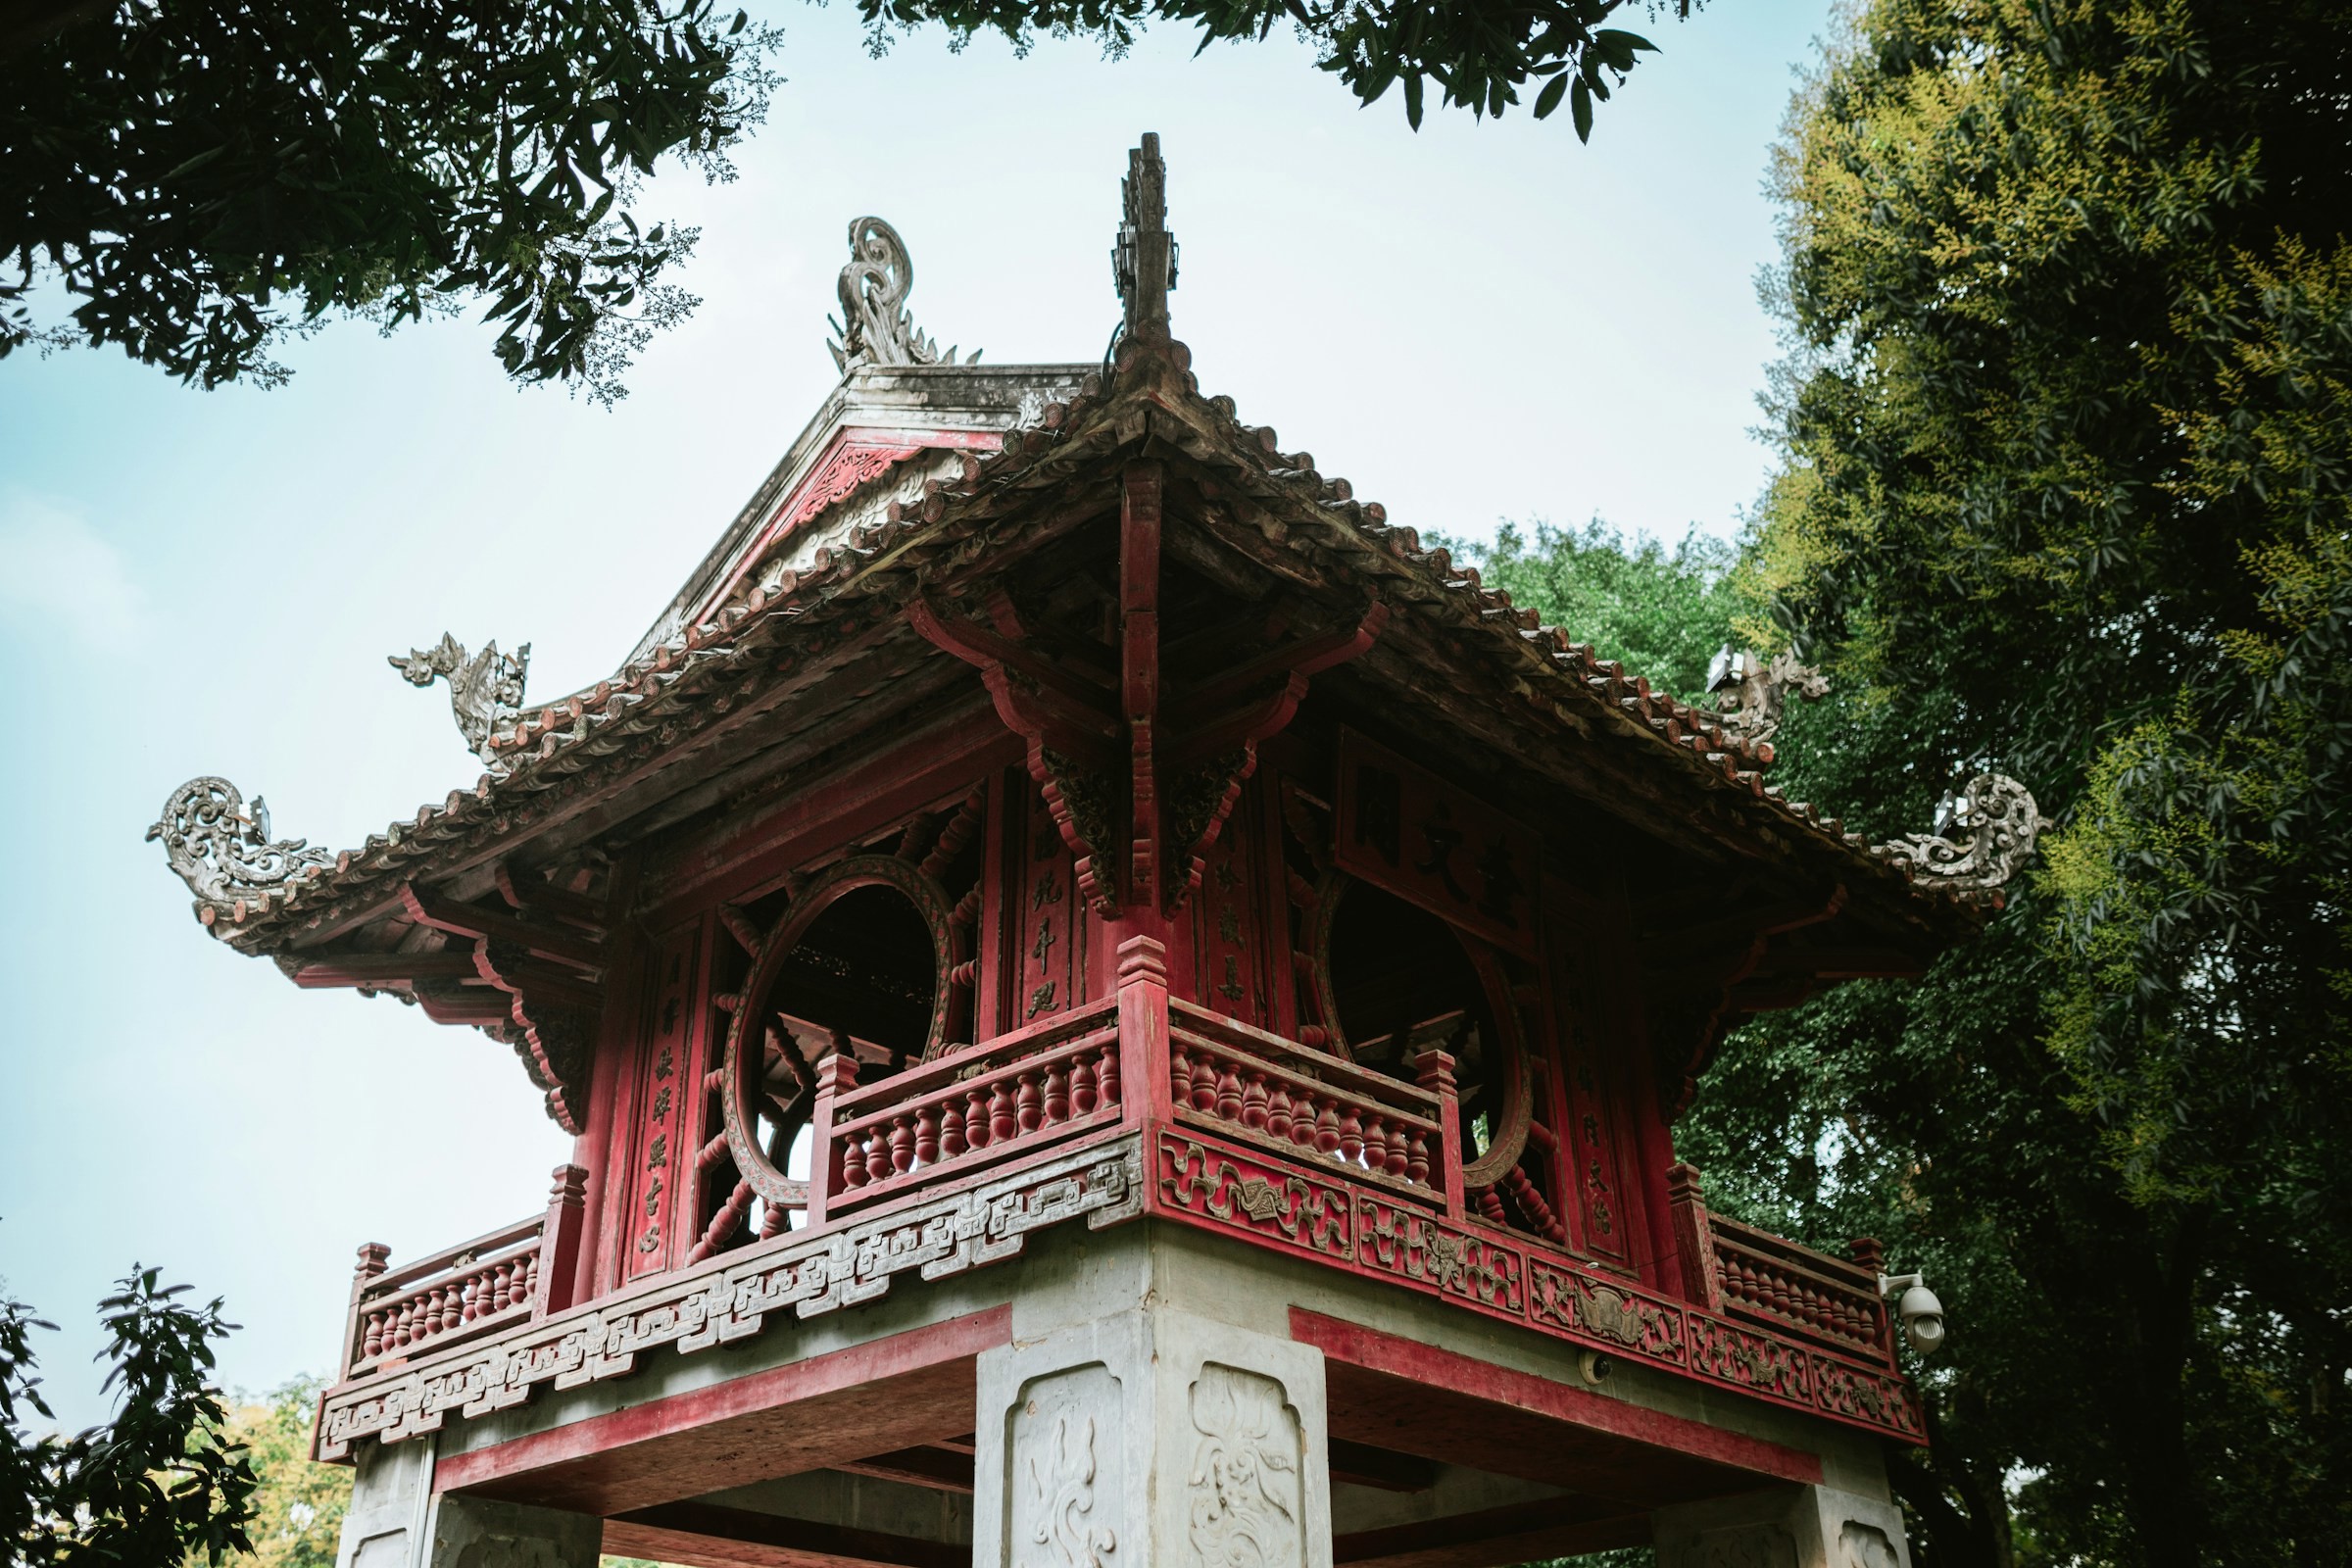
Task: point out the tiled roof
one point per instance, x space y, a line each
917 508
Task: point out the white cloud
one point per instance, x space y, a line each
58 575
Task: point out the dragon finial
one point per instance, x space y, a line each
874 327
1999 821
1753 695
484 689
222 849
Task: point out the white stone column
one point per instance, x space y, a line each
1783 1527
1150 1437
391 1496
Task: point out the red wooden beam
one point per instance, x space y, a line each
901 1391
384 968
566 946
1401 1394
705 1535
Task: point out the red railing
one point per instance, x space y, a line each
981 1106
1247 1084
512 1274
1793 1288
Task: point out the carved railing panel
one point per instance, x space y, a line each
1764 1279
452 1296
1264 1089
975 1108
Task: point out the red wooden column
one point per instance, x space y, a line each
560 1240
1433 1070
1140 490
835 1076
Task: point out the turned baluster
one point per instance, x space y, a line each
1416 1158
470 1298
1302 1118
1278 1112
926 1136
975 1118
1107 1074
950 1127
1205 1084
853 1159
1490 1203
371 1342
530 1280
1028 1104
1001 1124
1057 1093
1352 1137
1400 1158
1327 1128
401 1317
1376 1143
1084 1097
1253 1102
1180 1075
901 1145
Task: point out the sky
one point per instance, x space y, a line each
1484 321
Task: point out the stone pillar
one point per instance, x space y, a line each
391 1496
1151 1439
478 1533
1783 1527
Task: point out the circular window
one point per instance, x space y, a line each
858 967
1385 966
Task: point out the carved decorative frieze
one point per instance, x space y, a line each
1244 1498
1206 1183
1273 1203
1999 821
730 1300
222 849
485 689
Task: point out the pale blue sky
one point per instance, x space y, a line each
1483 320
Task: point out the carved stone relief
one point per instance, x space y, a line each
1862 1546
1068 1483
1246 1504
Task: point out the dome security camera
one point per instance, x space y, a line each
1917 1309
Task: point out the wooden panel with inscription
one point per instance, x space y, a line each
1405 829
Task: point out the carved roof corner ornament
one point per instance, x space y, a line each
485 689
222 849
1751 697
874 327
1144 261
2000 824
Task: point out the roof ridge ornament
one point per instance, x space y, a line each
485 689
874 327
1144 261
2001 824
223 850
1754 695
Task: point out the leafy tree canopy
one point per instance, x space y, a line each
192 181
298 1503
162 1482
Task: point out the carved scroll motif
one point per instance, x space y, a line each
485 689
874 327
2001 821
223 850
1247 1504
1059 1471
1753 695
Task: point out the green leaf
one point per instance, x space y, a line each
1412 100
1579 109
1550 98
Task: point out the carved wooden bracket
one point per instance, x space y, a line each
1725 971
1140 780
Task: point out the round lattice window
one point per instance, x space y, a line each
1384 968
858 967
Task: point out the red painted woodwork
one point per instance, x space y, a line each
891 1393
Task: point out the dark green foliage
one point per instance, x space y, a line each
1664 611
1481 56
203 177
162 1482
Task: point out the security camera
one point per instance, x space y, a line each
1921 1313
1596 1366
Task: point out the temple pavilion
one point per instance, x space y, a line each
1115 1010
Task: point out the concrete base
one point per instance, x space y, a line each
1785 1527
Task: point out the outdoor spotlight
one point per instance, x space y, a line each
1921 1313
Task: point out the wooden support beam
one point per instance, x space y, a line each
1519 1532
575 947
705 1535
932 1465
547 984
384 969
533 894
1361 1464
